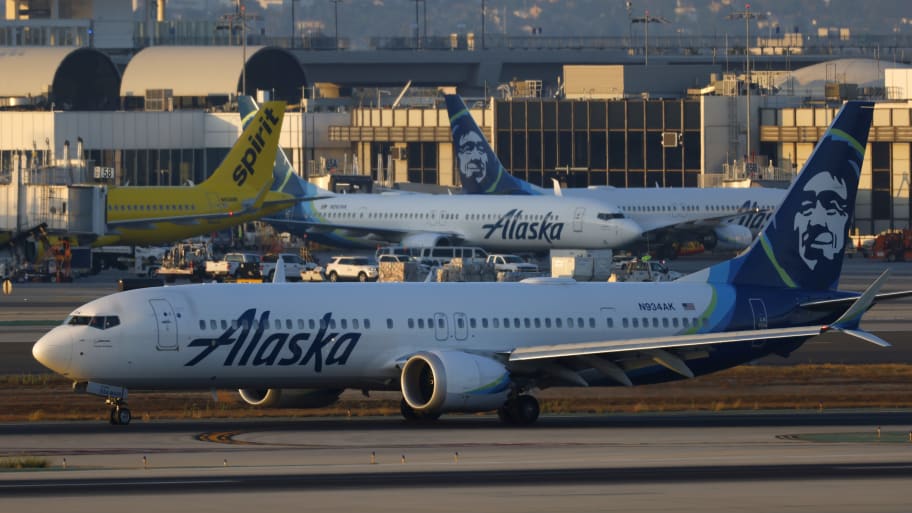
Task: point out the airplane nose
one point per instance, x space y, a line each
54 350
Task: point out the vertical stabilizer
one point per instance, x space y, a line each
285 179
479 168
247 170
803 244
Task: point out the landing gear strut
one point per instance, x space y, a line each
120 414
520 410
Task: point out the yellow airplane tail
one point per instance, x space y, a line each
247 170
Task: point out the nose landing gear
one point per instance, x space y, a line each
120 414
115 397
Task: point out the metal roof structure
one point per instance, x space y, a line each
71 78
206 71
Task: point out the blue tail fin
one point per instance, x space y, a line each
284 177
479 168
803 244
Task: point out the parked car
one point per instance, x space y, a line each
351 268
402 259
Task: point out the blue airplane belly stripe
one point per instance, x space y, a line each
495 387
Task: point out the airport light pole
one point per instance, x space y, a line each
747 15
646 20
336 20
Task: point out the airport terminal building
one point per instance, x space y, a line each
167 115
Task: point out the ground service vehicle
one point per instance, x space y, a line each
511 263
234 266
351 268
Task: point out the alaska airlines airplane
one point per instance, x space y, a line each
470 347
529 223
236 192
727 218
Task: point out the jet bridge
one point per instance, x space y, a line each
57 195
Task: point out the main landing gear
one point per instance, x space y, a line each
520 410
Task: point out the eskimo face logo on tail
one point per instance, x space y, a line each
267 122
278 348
822 218
512 227
472 157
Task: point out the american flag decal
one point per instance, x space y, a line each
688 306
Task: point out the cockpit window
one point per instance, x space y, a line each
101 322
606 216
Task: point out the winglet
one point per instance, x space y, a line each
848 322
557 187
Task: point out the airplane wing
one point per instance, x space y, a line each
662 350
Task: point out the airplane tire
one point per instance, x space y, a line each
112 418
124 416
526 410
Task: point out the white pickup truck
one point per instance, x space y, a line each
511 263
294 266
643 270
232 266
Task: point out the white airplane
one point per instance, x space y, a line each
469 347
522 223
727 218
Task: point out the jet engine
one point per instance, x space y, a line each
425 240
732 237
288 397
437 382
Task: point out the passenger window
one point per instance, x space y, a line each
664 322
674 322
527 322
332 324
655 322
411 323
421 323
312 324
610 322
592 322
558 323
636 322
516 322
300 324
440 323
460 322
495 322
234 324
355 324
484 322
203 325
344 323
225 324
323 323
367 324
686 322
389 323
278 324
624 322
537 322
645 322
213 324
569 322
472 323
506 322
547 322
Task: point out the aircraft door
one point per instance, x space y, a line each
759 310
166 324
578 219
440 327
461 326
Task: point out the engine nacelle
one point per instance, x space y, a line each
443 381
732 236
289 397
425 240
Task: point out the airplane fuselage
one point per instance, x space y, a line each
522 223
288 335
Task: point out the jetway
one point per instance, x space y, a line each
57 195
